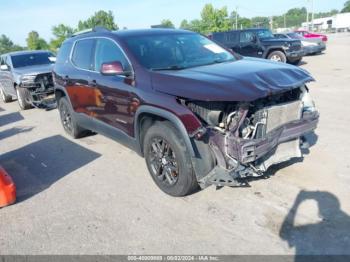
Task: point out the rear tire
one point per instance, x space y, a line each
23 98
4 97
68 120
168 160
277 56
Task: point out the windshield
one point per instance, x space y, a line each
31 59
264 33
176 51
294 35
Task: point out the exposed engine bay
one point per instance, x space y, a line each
246 138
41 89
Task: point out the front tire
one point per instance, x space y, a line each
168 160
277 56
23 98
68 120
4 97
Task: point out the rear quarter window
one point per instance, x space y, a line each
83 53
63 53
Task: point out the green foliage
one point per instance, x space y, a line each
167 23
346 7
6 45
214 20
61 32
100 18
326 14
260 21
34 42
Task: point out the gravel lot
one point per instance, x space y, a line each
94 196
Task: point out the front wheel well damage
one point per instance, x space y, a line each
59 94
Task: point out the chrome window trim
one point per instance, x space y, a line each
98 37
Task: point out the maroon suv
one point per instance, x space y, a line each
199 114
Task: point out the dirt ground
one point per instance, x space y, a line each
94 196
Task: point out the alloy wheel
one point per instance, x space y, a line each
66 118
163 162
276 58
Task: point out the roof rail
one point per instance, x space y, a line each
95 29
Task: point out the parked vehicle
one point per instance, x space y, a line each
27 76
197 113
307 34
261 43
310 46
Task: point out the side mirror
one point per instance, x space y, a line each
4 68
113 69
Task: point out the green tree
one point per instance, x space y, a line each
61 32
100 18
34 42
346 7
214 20
260 21
242 22
167 23
6 45
185 25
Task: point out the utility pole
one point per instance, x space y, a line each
285 24
236 17
271 23
307 15
312 17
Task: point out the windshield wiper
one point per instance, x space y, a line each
174 67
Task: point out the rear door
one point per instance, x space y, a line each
78 83
112 92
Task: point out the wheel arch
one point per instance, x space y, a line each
271 49
146 115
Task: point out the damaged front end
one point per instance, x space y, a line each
246 138
41 90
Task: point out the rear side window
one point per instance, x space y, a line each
108 51
82 54
63 53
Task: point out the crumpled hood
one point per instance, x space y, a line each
34 70
246 79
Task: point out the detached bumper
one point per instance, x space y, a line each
252 157
252 150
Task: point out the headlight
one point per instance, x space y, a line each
28 78
308 103
308 43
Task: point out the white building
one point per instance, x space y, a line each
338 22
341 22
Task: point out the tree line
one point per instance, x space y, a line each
211 20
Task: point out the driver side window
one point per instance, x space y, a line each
246 37
107 51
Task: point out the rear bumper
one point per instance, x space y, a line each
314 49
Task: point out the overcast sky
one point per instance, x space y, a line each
18 17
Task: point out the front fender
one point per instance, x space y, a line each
166 115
